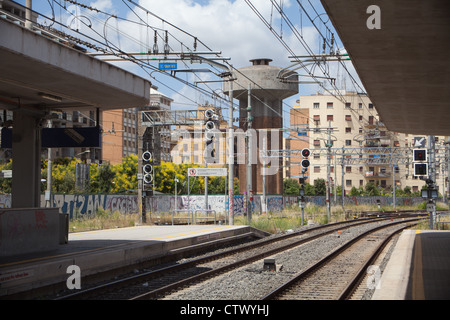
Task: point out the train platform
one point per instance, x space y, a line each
419 268
102 250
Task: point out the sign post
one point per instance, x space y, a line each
204 172
207 172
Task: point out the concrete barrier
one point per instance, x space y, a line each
30 230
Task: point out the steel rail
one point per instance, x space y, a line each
215 272
315 266
121 283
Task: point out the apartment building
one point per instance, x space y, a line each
121 127
351 121
192 150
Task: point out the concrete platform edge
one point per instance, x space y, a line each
394 279
31 276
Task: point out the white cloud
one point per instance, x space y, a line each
222 25
227 26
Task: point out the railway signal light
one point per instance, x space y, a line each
305 154
420 154
146 156
210 131
420 169
147 167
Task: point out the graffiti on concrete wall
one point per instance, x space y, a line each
5 201
80 205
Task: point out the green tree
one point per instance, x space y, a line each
6 183
216 185
356 191
291 187
371 190
126 174
320 187
309 190
105 176
63 175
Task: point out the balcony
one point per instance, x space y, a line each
372 174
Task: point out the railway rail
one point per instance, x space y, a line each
338 275
158 283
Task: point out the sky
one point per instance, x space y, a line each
228 26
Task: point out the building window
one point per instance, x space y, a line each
348 130
348 183
348 117
360 105
329 105
348 142
317 143
360 118
361 183
316 117
348 169
348 105
329 117
316 105
370 106
371 119
317 169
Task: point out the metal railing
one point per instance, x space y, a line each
189 217
441 216
207 217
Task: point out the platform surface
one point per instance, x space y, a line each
97 251
419 268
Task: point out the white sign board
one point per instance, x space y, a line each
207 172
6 174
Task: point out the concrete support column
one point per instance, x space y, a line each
26 146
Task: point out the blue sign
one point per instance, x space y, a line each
301 133
61 137
71 137
167 66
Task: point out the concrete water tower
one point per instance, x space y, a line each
267 94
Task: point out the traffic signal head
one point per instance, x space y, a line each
148 178
146 156
305 163
420 154
210 125
209 114
148 168
420 169
306 153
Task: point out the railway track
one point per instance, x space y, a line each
338 275
158 283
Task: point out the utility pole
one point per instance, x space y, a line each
48 193
432 177
448 171
231 155
342 179
263 202
206 190
329 144
249 157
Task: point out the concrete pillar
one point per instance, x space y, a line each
267 94
26 146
